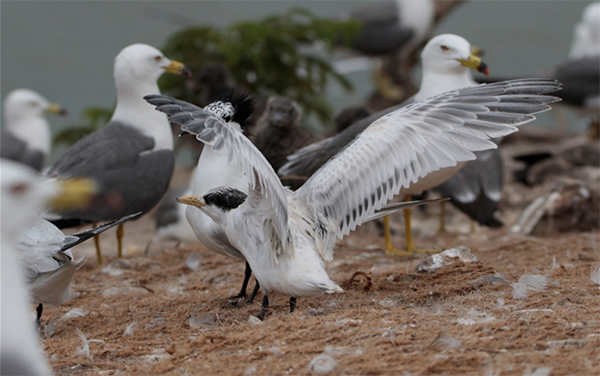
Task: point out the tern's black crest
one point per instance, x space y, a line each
225 198
243 107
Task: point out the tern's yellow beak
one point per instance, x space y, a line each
74 193
56 109
475 63
190 200
178 68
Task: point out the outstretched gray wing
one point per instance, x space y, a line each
406 145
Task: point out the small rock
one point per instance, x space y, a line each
75 312
433 263
129 290
445 341
254 321
202 319
171 349
322 364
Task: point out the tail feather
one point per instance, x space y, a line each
80 237
390 208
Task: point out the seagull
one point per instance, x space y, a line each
279 132
586 34
214 170
446 61
286 236
132 154
48 262
390 29
23 196
390 26
26 136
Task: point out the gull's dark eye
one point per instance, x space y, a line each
19 188
157 58
33 103
444 48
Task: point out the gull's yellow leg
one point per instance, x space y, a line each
120 241
442 217
472 226
410 246
389 247
97 244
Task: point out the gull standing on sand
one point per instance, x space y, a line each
48 262
286 236
446 60
132 154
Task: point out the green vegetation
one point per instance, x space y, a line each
266 57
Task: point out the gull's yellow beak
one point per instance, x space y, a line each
190 200
74 194
178 68
56 109
475 63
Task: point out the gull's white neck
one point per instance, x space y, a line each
33 130
434 83
133 110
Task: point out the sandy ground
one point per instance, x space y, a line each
153 314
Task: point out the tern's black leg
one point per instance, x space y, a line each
263 307
247 275
292 304
39 310
253 293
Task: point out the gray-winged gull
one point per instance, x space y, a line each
132 154
26 136
446 60
48 262
286 236
586 35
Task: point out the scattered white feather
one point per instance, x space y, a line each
130 329
194 261
595 276
538 371
529 282
85 349
475 317
322 364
